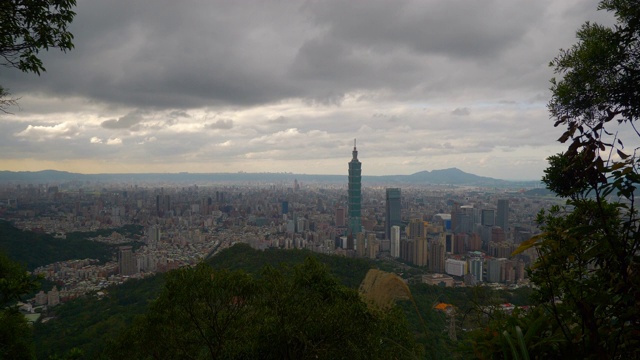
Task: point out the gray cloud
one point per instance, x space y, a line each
125 122
288 80
461 111
221 124
170 55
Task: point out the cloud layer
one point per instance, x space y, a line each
286 85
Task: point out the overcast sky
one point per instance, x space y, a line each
285 86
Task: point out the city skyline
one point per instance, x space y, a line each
284 87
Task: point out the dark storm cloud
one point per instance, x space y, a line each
456 27
168 54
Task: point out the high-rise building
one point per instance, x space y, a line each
392 215
460 243
456 267
395 241
126 261
476 269
53 297
449 243
498 235
373 246
502 216
340 216
154 235
488 217
355 192
360 245
420 252
436 256
495 270
474 242
416 229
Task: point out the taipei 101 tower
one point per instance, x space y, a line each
355 191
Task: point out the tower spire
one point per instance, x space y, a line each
355 151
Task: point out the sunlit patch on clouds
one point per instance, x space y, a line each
109 141
63 130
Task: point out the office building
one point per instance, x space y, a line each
420 252
488 217
355 192
449 243
373 246
502 216
393 209
416 229
127 264
395 241
340 217
476 269
360 245
456 267
436 256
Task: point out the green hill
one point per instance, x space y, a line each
90 324
35 249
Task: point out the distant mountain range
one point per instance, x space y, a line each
452 176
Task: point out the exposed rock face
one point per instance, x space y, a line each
383 289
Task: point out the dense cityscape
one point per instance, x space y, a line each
457 236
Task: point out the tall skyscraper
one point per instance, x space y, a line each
392 215
502 217
355 192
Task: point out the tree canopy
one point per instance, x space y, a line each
587 275
588 269
15 333
29 26
298 312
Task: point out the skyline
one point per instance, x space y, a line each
286 86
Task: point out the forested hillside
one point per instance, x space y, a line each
37 249
95 325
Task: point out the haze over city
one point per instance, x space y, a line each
221 86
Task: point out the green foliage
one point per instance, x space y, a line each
298 312
88 323
14 281
350 272
31 26
588 270
34 249
521 335
469 304
15 334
